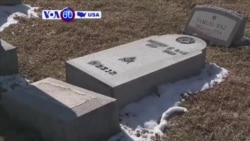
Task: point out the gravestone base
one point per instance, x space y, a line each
8 59
244 41
150 62
10 2
63 112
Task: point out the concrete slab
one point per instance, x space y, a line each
131 71
216 25
8 59
10 2
63 112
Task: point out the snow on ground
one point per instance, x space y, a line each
147 119
7 14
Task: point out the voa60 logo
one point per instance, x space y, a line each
69 14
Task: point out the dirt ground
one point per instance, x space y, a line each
219 114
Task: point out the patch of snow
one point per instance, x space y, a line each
166 116
147 119
8 13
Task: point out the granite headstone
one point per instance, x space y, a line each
216 25
8 59
63 112
131 71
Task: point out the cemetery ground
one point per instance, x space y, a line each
221 113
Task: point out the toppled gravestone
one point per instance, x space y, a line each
131 71
63 112
8 59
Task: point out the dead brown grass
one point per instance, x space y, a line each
218 114
221 113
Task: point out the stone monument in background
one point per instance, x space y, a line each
216 25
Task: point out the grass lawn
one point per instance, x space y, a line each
220 114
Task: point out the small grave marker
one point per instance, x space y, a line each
63 112
131 71
216 25
8 59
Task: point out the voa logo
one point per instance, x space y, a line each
93 14
51 14
68 14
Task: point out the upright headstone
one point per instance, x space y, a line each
10 2
131 71
216 25
8 59
63 112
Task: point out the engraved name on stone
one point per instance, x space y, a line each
213 24
167 48
102 67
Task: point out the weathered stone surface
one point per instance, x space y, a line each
10 2
216 25
63 112
131 71
8 59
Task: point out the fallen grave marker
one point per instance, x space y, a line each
8 59
216 25
131 71
63 112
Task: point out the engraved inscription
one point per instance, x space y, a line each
169 52
185 40
181 52
102 67
166 48
212 25
215 28
155 44
128 59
